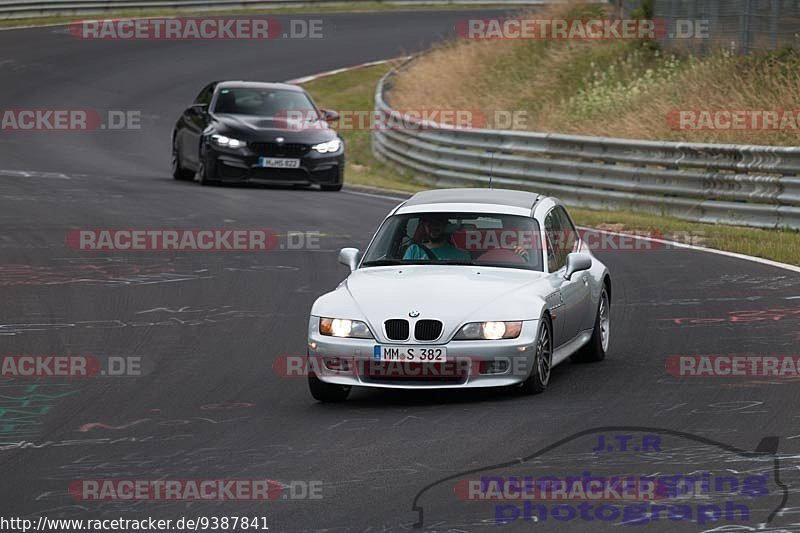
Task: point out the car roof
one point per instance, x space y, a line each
505 197
494 197
498 201
258 85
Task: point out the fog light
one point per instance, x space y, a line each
493 367
337 364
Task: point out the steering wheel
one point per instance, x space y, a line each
502 255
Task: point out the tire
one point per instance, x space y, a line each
597 347
543 361
178 172
326 392
205 172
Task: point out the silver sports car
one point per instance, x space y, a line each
461 288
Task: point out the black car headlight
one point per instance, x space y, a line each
328 147
489 331
227 142
344 327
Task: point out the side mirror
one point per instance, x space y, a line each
577 263
349 257
199 109
330 115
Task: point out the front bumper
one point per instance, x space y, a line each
242 166
350 362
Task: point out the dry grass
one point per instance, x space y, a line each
490 75
614 88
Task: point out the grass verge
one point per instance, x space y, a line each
354 90
617 88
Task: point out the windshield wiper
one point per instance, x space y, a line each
383 262
454 262
391 262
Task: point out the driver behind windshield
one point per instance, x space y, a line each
436 244
247 101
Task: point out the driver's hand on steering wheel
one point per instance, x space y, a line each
522 252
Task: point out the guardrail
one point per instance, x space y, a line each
721 183
11 9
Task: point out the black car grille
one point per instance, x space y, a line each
427 330
280 150
396 329
279 174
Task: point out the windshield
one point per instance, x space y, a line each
459 239
261 102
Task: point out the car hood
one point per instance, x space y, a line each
258 128
453 294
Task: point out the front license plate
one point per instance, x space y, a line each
276 162
415 354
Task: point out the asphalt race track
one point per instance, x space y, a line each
207 327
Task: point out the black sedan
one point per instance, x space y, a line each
238 132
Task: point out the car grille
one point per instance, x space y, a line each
280 150
279 174
427 330
396 329
413 373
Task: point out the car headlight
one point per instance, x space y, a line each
343 327
328 147
489 331
227 142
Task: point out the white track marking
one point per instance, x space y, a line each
306 79
33 174
735 255
373 195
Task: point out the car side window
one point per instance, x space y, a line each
205 95
562 238
555 258
569 235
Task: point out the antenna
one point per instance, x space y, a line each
491 169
